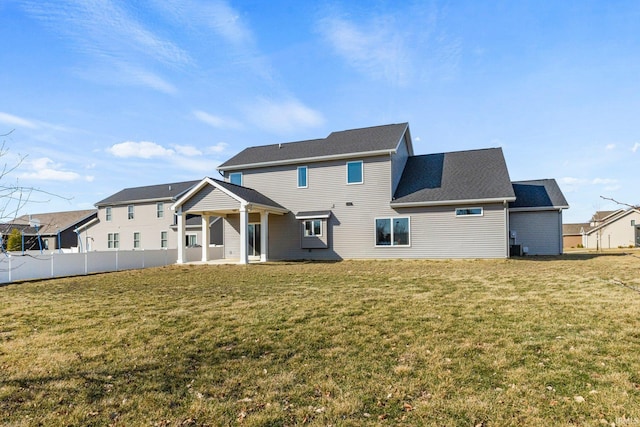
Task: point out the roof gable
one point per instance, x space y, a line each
148 193
462 176
538 194
354 142
50 223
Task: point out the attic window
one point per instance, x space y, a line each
469 212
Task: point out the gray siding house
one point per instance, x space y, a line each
363 193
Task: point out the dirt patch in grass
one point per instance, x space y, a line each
535 341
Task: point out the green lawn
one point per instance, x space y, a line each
532 342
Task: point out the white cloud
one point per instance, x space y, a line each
610 146
568 180
217 121
283 117
604 181
12 120
635 147
220 147
44 169
187 150
142 149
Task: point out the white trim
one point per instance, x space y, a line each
361 172
321 216
391 219
308 160
87 224
452 202
539 208
306 176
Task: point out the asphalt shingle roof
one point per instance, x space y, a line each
50 223
151 192
248 194
538 193
573 229
354 141
461 175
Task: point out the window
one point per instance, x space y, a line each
235 178
130 212
392 231
354 172
136 240
469 212
302 177
163 239
113 240
312 227
45 244
191 240
159 210
108 213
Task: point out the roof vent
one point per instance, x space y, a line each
169 188
279 145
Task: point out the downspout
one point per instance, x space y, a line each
59 244
506 221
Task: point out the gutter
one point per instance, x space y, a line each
451 202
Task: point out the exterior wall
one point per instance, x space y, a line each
571 241
618 233
398 162
435 232
145 222
539 231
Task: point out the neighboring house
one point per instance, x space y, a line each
620 228
141 218
572 234
362 193
51 231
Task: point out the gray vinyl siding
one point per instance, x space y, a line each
232 233
209 199
540 231
435 231
398 161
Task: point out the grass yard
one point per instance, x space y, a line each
527 342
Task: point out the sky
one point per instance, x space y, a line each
101 95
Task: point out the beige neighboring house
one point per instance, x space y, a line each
51 231
613 229
140 218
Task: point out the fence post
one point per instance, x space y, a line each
52 256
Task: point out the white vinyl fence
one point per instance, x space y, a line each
34 265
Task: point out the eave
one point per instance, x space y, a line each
452 202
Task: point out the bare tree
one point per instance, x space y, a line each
620 203
14 197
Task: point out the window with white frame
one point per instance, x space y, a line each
312 227
130 212
164 242
303 172
160 210
355 173
136 240
392 231
191 240
235 178
107 213
469 212
113 240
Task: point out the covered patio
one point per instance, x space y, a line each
214 198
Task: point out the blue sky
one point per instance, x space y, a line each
102 95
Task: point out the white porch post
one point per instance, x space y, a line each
264 236
181 233
244 231
205 238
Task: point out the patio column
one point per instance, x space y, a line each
244 231
264 236
206 237
181 233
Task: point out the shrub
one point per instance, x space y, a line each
14 242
